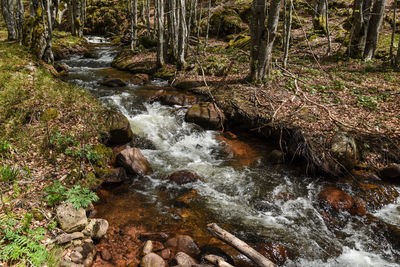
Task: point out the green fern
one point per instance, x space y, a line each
19 242
81 197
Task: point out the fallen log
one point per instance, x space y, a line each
217 260
241 246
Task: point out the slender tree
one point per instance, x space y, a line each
160 34
358 35
287 29
134 22
262 37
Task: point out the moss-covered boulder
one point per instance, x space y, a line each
344 150
129 60
226 21
119 130
241 42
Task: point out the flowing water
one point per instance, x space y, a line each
256 201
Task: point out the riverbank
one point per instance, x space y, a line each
50 145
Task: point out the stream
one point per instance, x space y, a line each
248 196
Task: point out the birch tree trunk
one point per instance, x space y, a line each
182 34
358 35
160 33
8 11
262 37
374 28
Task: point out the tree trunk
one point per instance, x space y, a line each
160 33
182 34
133 7
392 57
148 9
288 28
361 14
373 29
8 10
262 37
319 18
397 60
20 20
328 32
208 24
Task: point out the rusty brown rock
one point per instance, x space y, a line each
336 198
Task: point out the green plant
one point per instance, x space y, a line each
9 173
55 193
5 147
19 242
80 197
369 102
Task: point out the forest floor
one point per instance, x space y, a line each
41 117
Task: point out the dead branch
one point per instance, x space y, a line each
235 242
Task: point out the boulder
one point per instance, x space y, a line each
106 255
113 82
183 243
90 54
88 252
96 228
165 254
119 130
152 260
186 85
140 78
182 177
390 173
177 99
336 198
184 259
206 115
63 238
376 195
226 21
112 175
344 150
70 219
134 162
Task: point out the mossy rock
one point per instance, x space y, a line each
91 181
164 73
240 42
49 114
147 41
119 130
226 21
106 154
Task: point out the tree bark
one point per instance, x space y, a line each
374 28
8 11
262 37
182 34
235 242
160 33
361 15
288 28
319 19
19 17
133 7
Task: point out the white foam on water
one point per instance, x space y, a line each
247 197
